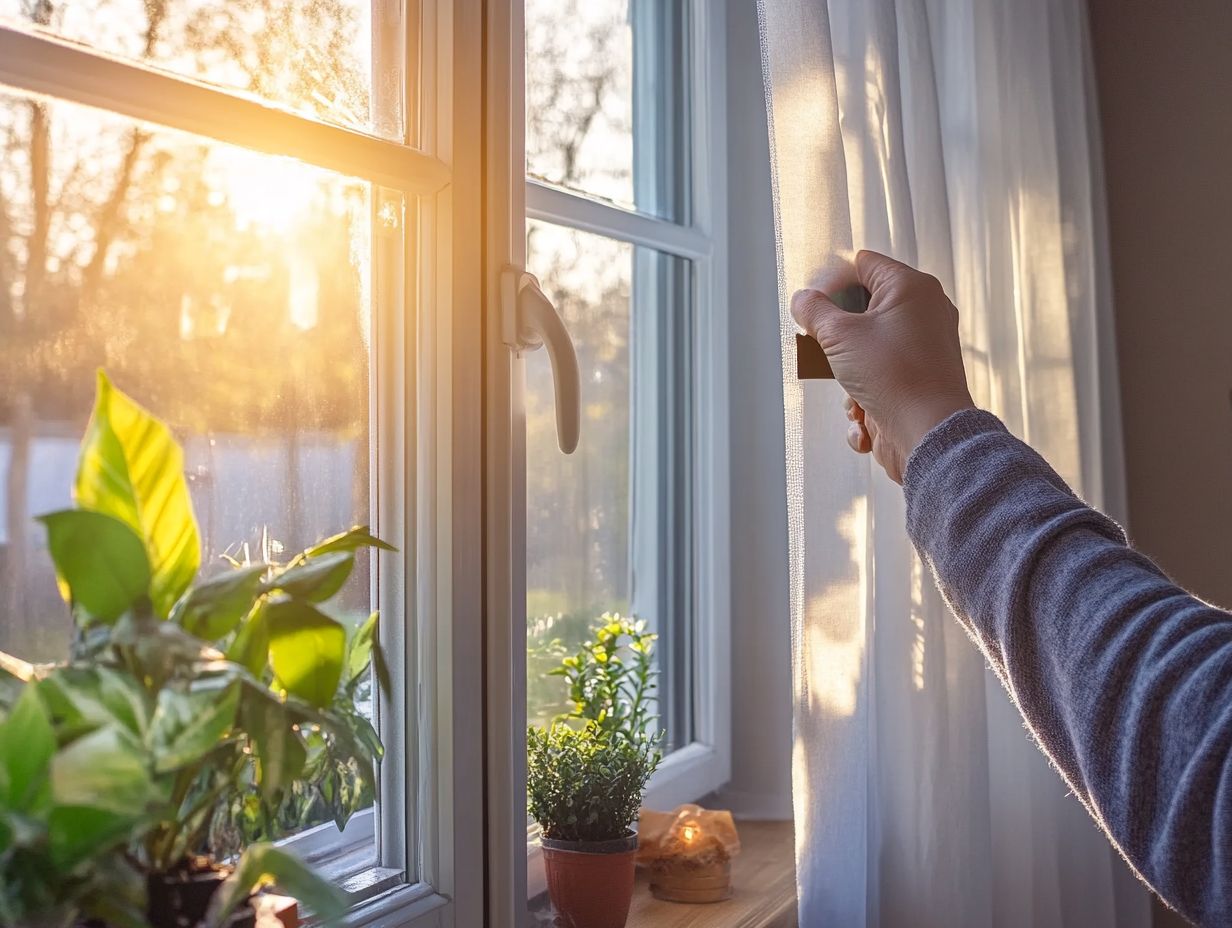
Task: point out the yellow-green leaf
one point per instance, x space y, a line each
316 579
131 468
101 565
351 540
306 650
251 645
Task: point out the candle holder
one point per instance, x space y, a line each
688 853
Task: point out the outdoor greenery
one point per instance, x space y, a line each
587 769
550 639
228 289
191 718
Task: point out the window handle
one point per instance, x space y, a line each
530 320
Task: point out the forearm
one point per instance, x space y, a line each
1124 678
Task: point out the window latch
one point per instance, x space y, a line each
530 321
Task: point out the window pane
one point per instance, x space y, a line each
609 527
226 291
313 56
606 101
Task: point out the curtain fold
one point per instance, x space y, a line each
958 136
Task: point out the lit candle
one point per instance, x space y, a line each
688 852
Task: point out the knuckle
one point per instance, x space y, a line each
929 282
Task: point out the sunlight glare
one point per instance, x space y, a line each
834 624
271 194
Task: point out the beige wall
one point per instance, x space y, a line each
1164 73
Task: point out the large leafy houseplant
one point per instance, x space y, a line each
586 772
191 717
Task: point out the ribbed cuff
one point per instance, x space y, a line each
958 427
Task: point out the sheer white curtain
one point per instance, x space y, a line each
956 135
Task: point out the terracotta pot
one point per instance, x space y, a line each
591 882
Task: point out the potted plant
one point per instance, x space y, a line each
67 815
586 772
191 717
57 859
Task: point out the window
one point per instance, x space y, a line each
625 204
285 227
254 215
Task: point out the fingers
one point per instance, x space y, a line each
858 438
877 270
855 412
858 435
814 312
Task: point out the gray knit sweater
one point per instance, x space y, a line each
1124 678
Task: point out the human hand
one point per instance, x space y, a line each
900 362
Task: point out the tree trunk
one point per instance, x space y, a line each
16 527
17 481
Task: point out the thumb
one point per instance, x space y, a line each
876 270
816 313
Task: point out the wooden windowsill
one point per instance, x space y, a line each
763 879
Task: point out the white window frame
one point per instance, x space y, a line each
428 401
704 765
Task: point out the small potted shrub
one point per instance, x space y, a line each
586 772
193 720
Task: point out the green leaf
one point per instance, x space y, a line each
101 564
364 649
263 863
316 579
359 649
77 833
103 770
352 539
250 648
187 726
306 649
131 468
27 743
279 748
367 736
214 607
91 697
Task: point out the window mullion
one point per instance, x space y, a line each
561 207
43 65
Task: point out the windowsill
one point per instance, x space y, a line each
763 879
685 775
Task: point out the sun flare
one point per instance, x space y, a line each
272 194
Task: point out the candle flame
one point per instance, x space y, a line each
688 833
